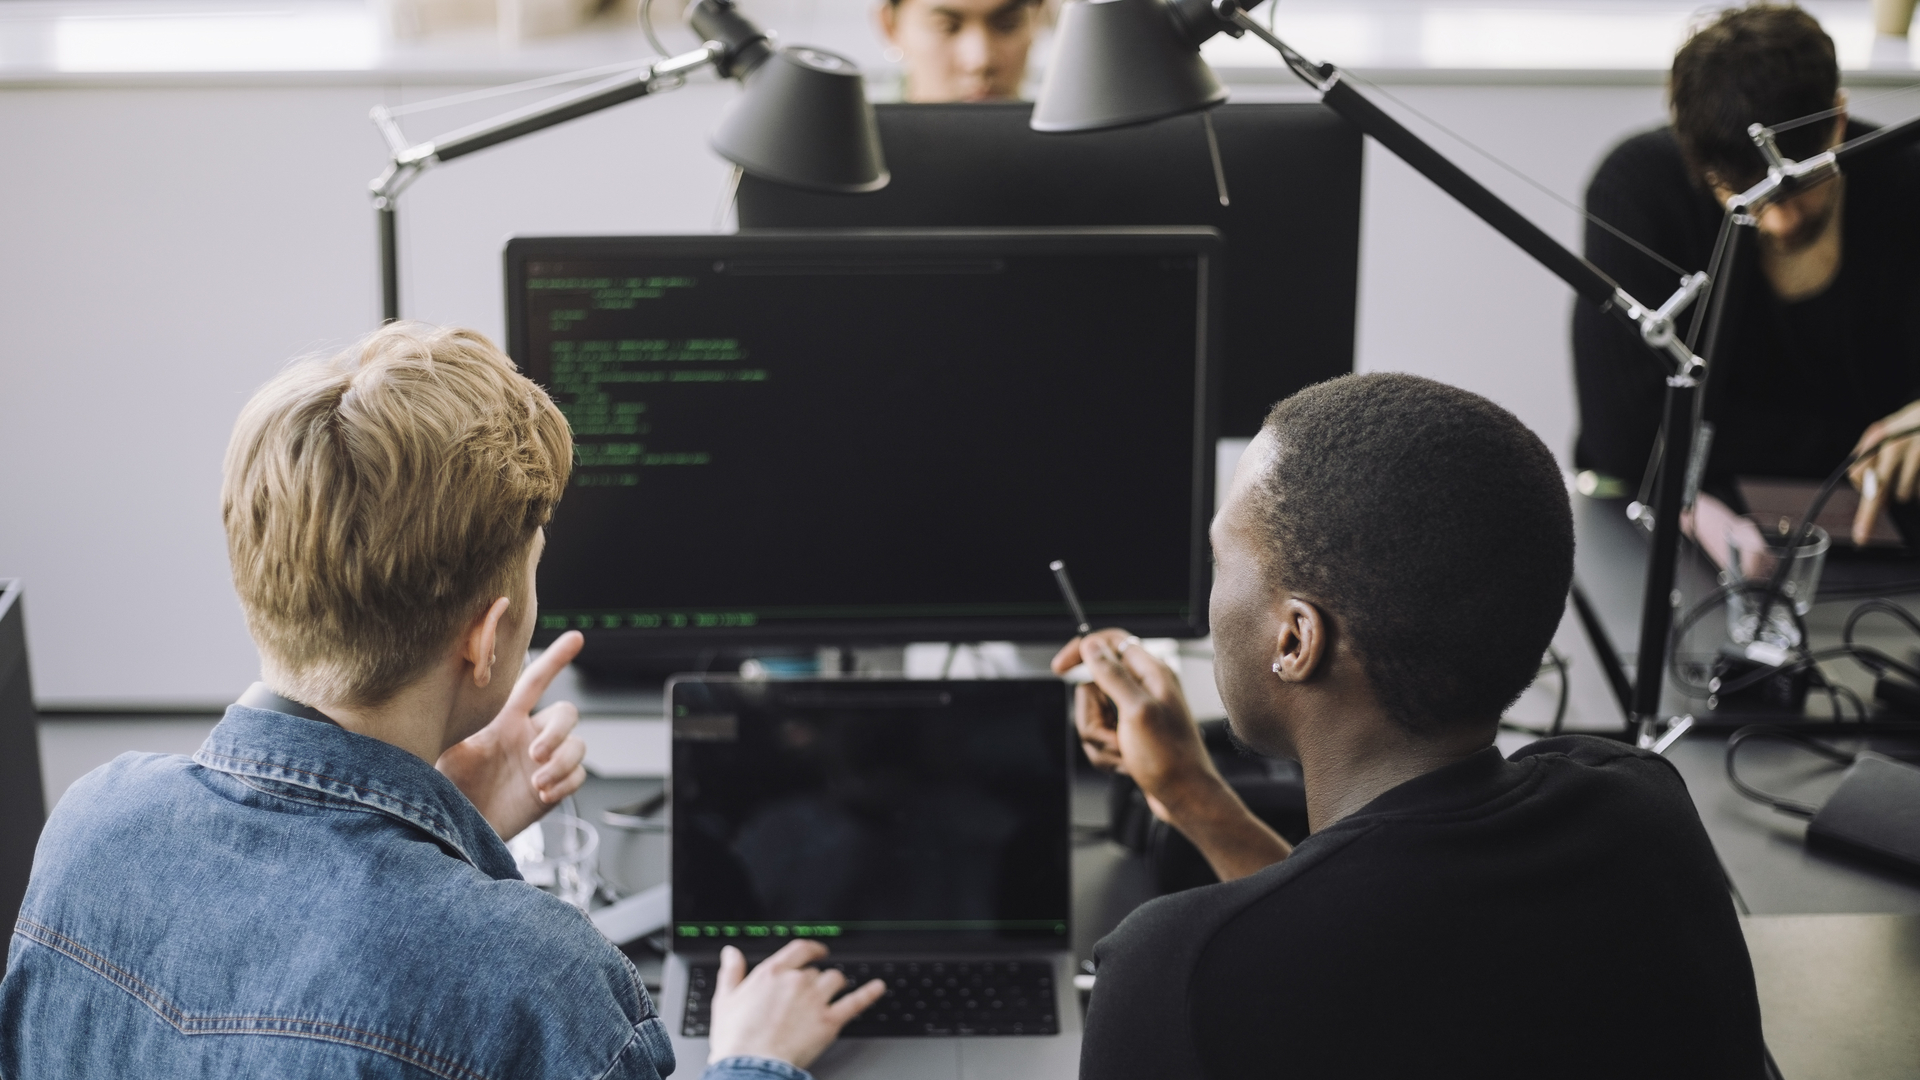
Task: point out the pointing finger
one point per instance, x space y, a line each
533 682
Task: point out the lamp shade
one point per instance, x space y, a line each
1119 62
804 120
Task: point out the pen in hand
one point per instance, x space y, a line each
1059 569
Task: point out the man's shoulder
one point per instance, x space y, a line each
1606 765
1653 151
217 899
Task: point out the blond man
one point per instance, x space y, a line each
323 889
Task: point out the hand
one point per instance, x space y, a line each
1133 719
784 1009
1713 525
517 767
1892 471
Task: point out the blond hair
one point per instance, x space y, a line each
377 500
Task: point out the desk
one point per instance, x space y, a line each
1835 943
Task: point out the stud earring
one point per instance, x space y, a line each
1276 667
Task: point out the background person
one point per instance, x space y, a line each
961 50
1820 353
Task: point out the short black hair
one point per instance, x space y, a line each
1434 525
1764 64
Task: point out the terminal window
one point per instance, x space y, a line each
767 442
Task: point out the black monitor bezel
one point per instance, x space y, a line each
1203 243
896 942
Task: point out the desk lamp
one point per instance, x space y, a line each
803 119
1121 62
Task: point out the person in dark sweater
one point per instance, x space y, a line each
1390 563
1820 354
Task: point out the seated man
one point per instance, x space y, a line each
960 50
1820 354
1391 561
323 889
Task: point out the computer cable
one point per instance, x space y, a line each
1553 661
1772 731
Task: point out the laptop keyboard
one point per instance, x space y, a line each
928 997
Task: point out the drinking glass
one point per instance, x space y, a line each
1756 558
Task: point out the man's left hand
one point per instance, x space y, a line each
517 767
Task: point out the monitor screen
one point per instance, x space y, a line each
881 813
1291 220
865 437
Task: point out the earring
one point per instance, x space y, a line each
1276 667
894 55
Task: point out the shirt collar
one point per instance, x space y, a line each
1471 781
262 696
342 767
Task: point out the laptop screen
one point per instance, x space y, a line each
883 814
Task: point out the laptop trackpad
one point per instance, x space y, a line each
890 1059
1051 1057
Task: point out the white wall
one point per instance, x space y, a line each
167 248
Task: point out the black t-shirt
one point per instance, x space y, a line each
1793 384
1557 915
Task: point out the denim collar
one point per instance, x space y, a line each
316 762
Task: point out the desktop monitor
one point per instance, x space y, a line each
867 437
22 797
1292 225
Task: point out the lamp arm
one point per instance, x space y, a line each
409 160
1655 324
536 117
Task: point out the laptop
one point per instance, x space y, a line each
917 828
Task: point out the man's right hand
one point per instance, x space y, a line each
783 1009
1134 719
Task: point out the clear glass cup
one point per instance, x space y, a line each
1757 561
560 854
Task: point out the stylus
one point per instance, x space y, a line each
1066 589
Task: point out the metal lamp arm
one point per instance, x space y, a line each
1656 325
409 160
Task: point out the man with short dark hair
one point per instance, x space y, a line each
1820 354
1390 563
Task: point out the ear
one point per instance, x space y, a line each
887 15
480 641
1301 645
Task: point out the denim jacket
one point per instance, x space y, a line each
296 900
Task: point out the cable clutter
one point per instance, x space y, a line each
1776 672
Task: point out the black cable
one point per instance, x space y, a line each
1700 611
1560 710
1772 591
1557 663
1780 803
646 27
